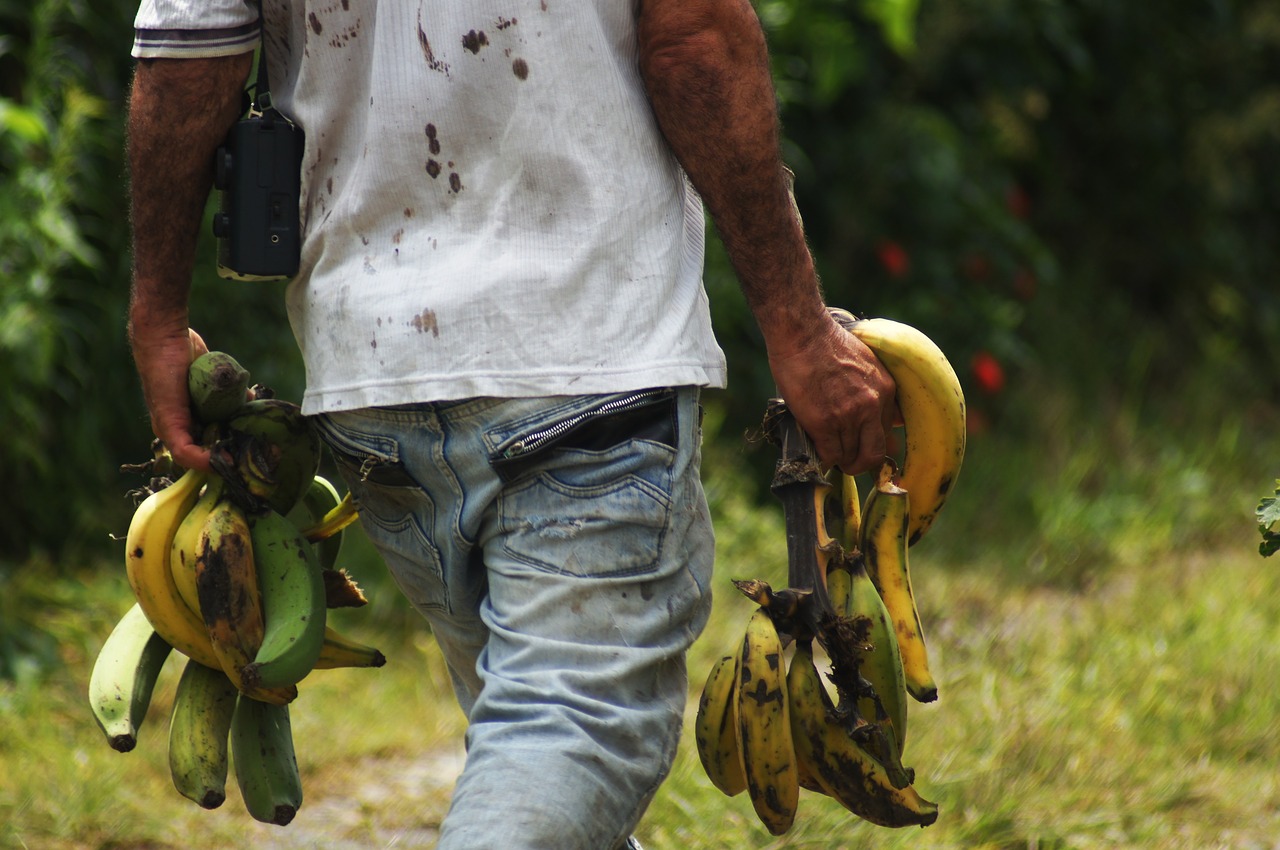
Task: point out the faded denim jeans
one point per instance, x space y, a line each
561 549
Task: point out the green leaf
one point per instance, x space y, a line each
897 20
1268 513
22 122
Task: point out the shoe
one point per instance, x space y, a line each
632 844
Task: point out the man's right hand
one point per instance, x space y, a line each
163 358
841 395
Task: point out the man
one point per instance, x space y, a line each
502 320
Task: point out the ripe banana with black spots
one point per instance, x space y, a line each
931 401
186 541
883 543
715 728
293 604
266 766
764 728
199 726
845 771
124 678
148 545
230 599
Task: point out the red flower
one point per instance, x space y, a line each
987 372
894 258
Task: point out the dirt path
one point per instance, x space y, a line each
395 802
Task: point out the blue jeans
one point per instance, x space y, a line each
561 549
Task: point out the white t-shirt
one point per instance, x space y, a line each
488 206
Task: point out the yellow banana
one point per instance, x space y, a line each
338 518
341 651
834 760
763 728
932 405
852 511
714 730
883 543
148 545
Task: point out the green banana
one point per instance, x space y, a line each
199 726
882 666
218 385
763 728
148 547
266 766
317 500
845 771
293 604
883 542
124 677
714 729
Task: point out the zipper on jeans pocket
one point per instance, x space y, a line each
600 427
530 443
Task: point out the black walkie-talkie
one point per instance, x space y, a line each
258 170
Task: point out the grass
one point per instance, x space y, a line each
1105 636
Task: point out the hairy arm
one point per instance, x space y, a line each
706 69
179 112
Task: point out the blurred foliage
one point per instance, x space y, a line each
1069 194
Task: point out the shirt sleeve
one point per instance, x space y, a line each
185 29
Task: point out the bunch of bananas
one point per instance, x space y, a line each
771 728
236 570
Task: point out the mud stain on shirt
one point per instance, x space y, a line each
520 68
425 322
315 23
473 41
427 54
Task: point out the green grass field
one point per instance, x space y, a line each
1107 645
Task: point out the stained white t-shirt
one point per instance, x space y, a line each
488 207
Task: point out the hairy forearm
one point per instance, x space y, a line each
179 112
706 69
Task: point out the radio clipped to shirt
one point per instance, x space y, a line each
258 171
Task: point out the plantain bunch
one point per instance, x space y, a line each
771 725
235 569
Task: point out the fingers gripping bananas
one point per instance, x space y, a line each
932 405
222 575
